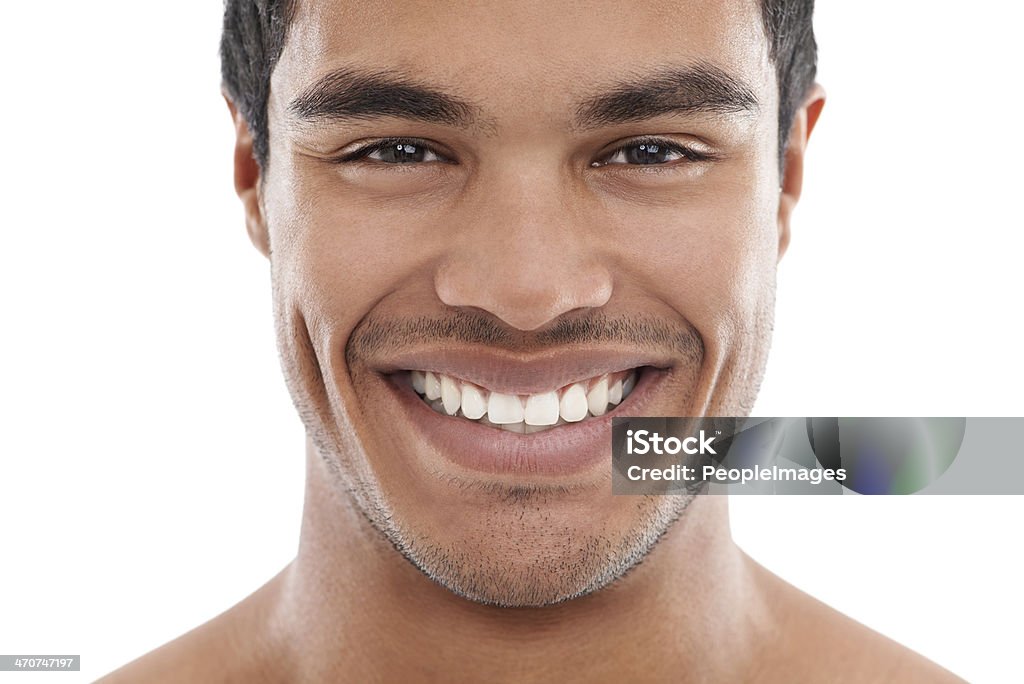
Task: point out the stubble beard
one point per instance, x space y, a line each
521 555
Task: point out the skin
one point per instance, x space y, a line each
519 576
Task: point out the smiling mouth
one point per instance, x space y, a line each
524 413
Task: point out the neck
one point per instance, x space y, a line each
351 604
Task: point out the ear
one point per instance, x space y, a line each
247 181
793 174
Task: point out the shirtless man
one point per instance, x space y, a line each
491 227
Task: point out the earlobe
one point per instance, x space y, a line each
792 179
247 181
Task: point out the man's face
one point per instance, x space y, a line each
526 200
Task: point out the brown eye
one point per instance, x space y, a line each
396 151
648 152
403 153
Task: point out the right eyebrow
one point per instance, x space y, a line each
693 89
362 95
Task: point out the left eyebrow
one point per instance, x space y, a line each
355 94
696 89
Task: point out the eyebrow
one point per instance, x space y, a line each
696 89
362 95
351 94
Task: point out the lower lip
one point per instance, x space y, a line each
564 450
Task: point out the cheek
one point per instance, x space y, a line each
336 257
710 258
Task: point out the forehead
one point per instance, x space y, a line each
537 54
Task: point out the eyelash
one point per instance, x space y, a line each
687 153
362 153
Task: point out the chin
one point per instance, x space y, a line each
527 549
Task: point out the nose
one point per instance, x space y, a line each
527 259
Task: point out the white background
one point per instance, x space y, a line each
150 460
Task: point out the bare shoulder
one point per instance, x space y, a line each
236 646
814 642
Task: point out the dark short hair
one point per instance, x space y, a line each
255 32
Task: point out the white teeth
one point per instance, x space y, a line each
615 392
541 409
432 386
522 414
504 408
573 405
451 397
419 381
474 406
628 383
597 397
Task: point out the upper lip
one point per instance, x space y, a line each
520 373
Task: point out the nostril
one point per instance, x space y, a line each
526 298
